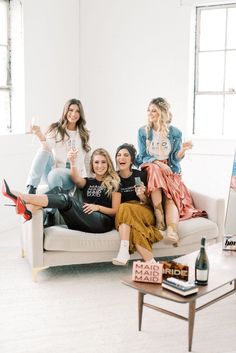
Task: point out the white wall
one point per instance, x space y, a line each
131 51
51 31
115 56
51 55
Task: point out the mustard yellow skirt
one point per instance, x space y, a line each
142 221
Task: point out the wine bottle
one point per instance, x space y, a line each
202 265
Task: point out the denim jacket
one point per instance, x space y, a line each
175 137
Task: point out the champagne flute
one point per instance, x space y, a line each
138 184
71 146
34 126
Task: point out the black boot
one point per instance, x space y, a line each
31 189
49 220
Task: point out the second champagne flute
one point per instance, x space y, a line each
138 184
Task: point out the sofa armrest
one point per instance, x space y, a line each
215 208
33 237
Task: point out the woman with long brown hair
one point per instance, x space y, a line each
50 163
134 220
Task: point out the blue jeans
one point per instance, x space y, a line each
41 171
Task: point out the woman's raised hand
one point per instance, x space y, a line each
34 127
187 145
140 191
71 156
36 130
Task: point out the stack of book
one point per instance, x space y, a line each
180 287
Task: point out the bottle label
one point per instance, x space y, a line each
201 275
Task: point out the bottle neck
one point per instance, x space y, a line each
203 242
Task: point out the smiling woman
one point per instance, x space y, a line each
160 153
50 163
135 220
101 197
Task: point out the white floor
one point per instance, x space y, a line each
86 309
10 238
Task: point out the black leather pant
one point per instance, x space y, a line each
72 212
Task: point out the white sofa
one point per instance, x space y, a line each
57 245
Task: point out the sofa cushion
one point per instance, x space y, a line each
60 238
191 231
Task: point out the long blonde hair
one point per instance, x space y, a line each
163 123
110 179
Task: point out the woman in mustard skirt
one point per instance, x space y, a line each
135 219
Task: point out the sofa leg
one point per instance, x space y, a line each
35 271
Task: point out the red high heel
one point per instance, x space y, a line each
7 192
22 209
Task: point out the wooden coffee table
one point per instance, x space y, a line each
222 273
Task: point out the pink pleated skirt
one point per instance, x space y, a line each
173 188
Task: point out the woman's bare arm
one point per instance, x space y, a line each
77 179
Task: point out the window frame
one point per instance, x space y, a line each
196 92
8 86
13 122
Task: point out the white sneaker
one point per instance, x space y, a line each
120 261
152 261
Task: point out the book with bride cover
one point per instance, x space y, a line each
180 287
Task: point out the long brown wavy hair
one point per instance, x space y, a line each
58 129
110 179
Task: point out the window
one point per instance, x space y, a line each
215 72
5 70
11 67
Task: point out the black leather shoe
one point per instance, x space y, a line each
31 189
49 220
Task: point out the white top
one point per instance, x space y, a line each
61 148
154 146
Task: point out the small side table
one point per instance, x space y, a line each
222 273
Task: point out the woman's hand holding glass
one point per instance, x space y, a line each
187 145
34 127
140 190
72 156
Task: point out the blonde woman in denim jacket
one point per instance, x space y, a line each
160 152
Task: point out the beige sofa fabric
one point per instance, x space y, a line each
58 245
